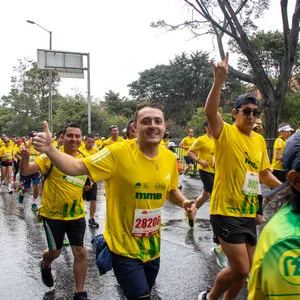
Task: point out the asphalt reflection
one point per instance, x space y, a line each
187 265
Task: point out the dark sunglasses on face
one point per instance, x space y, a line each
248 111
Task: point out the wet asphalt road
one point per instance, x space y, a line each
187 266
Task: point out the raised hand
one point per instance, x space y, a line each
42 141
25 149
220 69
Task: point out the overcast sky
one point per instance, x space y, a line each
116 33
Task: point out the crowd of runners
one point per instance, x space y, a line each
141 171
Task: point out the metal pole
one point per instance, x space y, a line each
50 77
50 91
89 94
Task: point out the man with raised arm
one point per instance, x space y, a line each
62 208
241 161
139 176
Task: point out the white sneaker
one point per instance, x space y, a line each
203 295
183 178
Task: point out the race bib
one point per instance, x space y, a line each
251 185
146 222
76 180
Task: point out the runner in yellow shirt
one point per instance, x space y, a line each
26 181
16 162
241 161
7 156
204 147
185 144
90 188
98 141
285 131
140 175
62 208
114 136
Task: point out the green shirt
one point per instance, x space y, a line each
275 272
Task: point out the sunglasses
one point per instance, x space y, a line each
248 111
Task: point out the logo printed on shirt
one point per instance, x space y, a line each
289 266
147 196
249 162
168 177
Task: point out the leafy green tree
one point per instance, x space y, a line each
179 87
236 21
71 109
28 97
270 48
291 110
117 106
199 117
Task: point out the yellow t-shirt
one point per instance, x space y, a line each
279 144
235 154
87 152
8 152
16 149
204 146
55 143
98 143
133 181
109 141
187 141
62 194
32 154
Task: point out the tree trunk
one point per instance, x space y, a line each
272 109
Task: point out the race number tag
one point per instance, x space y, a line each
146 222
251 184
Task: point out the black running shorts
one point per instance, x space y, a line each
6 163
208 180
91 194
234 230
56 229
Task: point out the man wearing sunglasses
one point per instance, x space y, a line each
241 161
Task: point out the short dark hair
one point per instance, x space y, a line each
90 135
69 125
128 125
140 107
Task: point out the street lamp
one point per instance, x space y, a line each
50 76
